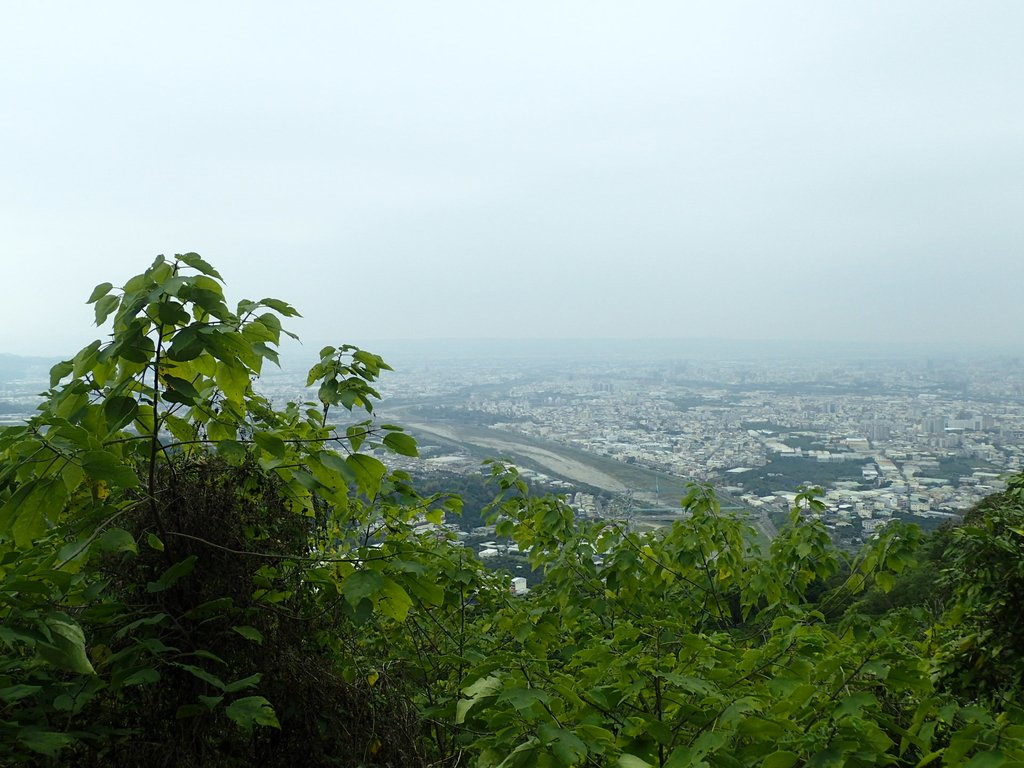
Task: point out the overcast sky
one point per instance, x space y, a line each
805 171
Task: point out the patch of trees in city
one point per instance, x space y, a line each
785 473
190 576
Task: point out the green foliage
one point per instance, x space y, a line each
981 641
190 574
689 646
158 518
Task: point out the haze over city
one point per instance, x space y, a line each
795 172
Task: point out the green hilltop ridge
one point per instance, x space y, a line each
192 575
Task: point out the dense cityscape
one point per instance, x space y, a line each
888 438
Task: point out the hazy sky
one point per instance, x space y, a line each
814 170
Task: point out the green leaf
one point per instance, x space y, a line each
269 353
986 759
368 472
187 345
483 688
394 601
85 360
336 463
567 747
252 711
48 743
104 307
780 759
171 313
401 443
184 388
146 676
119 411
524 698
67 647
281 307
118 540
99 292
14 693
232 450
361 584
632 761
195 261
102 465
26 515
885 581
272 444
250 633
246 682
154 542
306 480
171 576
59 371
201 674
233 381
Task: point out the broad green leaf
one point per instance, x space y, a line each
197 262
119 412
146 676
182 387
85 360
567 747
27 514
48 743
336 463
172 313
181 429
368 472
401 443
269 353
103 465
272 444
246 682
281 307
232 450
99 292
362 584
233 381
188 344
250 633
426 590
216 607
483 688
780 759
632 761
172 575
59 371
394 601
118 540
986 759
524 698
14 693
104 307
67 648
885 581
252 711
201 674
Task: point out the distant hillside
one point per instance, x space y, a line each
15 367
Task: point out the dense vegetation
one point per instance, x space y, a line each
191 577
